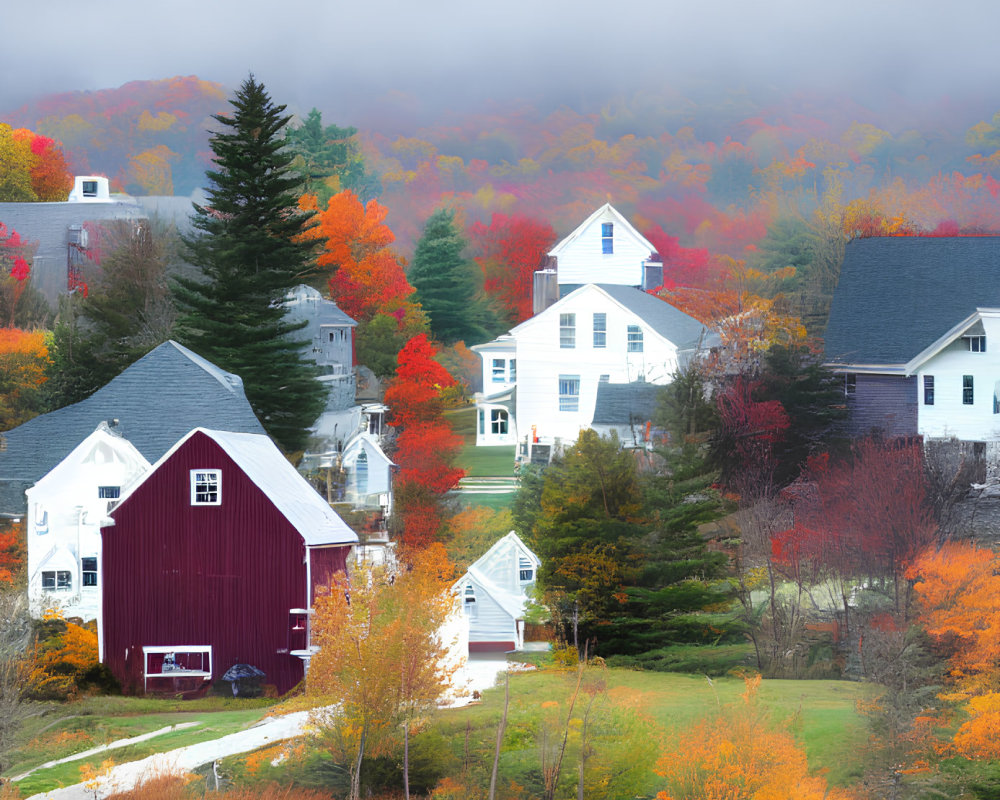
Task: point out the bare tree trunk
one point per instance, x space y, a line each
356 772
500 732
583 748
406 759
552 779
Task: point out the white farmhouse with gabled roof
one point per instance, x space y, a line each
65 510
605 248
494 594
596 334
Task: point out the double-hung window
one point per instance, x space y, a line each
60 580
89 568
569 392
206 487
967 392
498 421
526 570
499 370
600 329
607 237
513 370
634 339
928 390
567 331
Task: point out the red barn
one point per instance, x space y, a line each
213 559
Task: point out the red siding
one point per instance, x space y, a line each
225 576
326 561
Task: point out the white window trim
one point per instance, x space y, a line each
218 487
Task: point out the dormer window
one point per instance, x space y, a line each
89 188
976 344
607 238
206 487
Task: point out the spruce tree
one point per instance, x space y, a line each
446 283
250 253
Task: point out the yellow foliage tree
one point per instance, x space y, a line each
381 658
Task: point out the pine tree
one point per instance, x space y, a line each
251 253
446 283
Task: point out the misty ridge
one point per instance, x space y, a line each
712 164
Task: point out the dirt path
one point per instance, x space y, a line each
186 759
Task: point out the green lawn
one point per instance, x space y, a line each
74 727
487 462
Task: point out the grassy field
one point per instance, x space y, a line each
74 727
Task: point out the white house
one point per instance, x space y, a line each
494 594
606 249
65 509
914 329
553 364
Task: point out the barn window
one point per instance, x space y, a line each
60 580
206 487
89 569
526 570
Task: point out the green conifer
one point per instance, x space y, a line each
250 254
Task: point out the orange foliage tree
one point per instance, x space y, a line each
738 755
63 653
958 589
32 167
366 275
510 250
426 446
24 358
739 308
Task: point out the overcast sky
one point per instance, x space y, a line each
347 57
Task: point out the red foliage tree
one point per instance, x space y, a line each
511 249
425 446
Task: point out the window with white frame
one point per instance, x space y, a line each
498 421
928 390
499 370
513 370
977 344
569 392
526 570
600 329
470 605
967 390
634 339
567 330
58 580
607 237
89 568
206 487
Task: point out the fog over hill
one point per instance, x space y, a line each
399 64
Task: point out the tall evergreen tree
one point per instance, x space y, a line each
447 283
251 254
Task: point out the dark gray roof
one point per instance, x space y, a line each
671 323
625 403
48 225
897 295
305 303
156 401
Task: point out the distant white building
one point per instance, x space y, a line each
494 594
65 511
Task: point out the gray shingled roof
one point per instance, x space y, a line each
671 323
156 401
624 403
897 295
48 225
